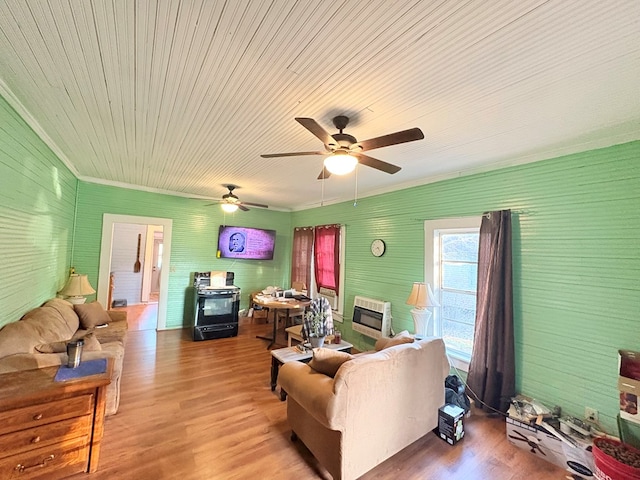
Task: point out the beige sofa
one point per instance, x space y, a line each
39 339
377 404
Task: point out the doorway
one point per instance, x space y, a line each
150 237
152 266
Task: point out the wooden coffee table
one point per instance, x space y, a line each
281 356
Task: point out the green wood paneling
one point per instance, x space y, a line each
37 198
576 254
194 242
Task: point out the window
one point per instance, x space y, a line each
318 254
301 260
327 257
451 263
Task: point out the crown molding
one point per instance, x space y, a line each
193 196
29 119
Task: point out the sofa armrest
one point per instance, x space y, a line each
117 315
311 389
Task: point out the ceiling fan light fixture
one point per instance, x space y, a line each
229 207
340 163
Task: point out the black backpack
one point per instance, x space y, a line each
454 393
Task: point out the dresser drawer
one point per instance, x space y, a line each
38 437
41 414
48 463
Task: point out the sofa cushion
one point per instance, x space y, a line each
399 339
328 361
91 344
113 332
92 314
30 361
66 311
41 325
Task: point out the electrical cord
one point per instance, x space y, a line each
475 396
599 432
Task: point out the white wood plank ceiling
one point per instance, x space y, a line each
184 95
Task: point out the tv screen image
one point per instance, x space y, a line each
245 242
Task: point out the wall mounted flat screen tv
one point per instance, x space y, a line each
246 243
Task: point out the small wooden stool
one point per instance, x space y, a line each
294 333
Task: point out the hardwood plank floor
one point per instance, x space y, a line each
205 411
143 316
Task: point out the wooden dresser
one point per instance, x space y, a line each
50 430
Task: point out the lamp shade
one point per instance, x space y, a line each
340 162
422 296
418 296
76 287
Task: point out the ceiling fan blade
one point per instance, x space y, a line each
255 204
324 173
377 164
292 154
393 139
242 207
313 126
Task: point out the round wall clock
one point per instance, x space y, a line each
377 247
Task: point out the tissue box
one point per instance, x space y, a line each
629 385
629 364
450 427
629 392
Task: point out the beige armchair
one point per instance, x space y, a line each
377 404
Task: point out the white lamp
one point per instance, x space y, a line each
340 162
229 207
76 288
421 297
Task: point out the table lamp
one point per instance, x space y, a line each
421 297
76 288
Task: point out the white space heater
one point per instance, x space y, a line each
371 317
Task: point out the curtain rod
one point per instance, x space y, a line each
320 226
517 212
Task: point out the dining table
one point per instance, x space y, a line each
270 303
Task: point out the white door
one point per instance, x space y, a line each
157 265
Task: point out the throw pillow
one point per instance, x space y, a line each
399 339
91 344
92 314
328 361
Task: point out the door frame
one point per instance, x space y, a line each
108 221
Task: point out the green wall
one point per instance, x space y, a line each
37 199
576 226
193 246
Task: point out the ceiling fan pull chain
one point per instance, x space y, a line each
355 200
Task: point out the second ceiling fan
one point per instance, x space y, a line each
345 151
230 201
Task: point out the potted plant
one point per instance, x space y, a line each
315 327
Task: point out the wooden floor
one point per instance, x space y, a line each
205 411
143 316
